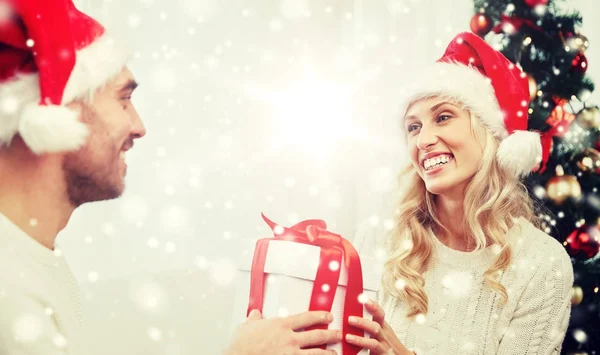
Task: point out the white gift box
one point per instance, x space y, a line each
291 269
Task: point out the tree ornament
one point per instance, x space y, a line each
588 160
533 87
577 43
481 24
579 64
576 295
562 187
589 117
534 3
584 242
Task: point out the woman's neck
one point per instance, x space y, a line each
450 212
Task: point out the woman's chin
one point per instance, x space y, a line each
443 188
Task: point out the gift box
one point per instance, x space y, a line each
288 274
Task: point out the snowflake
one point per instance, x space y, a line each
134 21
148 296
155 334
458 283
27 328
174 218
294 9
165 79
93 276
222 272
9 105
134 208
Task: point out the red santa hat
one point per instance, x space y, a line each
494 89
50 54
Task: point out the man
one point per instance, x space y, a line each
66 123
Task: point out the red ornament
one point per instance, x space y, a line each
560 121
481 24
579 63
584 242
534 3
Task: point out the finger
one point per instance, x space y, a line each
308 319
376 311
367 325
254 315
318 337
365 343
317 352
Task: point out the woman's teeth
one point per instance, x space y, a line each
434 162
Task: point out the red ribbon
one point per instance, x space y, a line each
334 248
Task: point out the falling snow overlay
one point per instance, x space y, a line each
287 107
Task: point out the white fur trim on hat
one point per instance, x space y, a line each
520 152
50 129
95 65
465 84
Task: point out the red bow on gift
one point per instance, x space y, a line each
334 249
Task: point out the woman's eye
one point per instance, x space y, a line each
442 118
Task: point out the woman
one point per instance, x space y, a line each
468 271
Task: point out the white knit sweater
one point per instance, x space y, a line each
40 308
466 318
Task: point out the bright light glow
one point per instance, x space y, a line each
314 114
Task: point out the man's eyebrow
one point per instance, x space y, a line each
130 85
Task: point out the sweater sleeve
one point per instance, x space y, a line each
27 327
541 318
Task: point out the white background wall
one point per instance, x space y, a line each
218 151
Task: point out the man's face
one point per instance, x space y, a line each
97 171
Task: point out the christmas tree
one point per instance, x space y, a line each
542 38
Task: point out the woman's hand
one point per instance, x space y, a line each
383 340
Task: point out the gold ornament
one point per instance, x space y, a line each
588 160
533 87
562 187
577 43
576 295
589 117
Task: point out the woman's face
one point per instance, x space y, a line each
442 146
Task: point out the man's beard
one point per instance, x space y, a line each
88 183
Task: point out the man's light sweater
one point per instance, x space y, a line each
466 318
40 308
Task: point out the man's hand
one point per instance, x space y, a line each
279 336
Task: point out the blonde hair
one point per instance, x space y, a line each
493 200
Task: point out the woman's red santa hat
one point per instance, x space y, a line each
50 54
494 89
